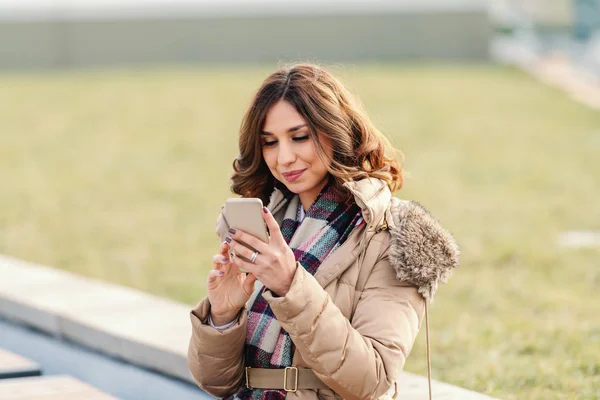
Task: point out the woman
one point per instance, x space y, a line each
332 304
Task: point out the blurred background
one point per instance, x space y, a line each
119 122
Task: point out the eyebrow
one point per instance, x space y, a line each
291 130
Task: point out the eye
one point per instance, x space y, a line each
300 138
269 143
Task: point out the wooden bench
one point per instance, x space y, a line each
49 388
14 366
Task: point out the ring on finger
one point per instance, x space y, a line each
253 257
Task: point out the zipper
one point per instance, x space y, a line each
382 227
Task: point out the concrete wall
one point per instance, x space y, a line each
395 35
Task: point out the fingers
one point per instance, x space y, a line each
214 275
241 250
218 260
221 263
245 265
250 240
224 249
273 226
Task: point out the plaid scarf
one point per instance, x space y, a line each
325 227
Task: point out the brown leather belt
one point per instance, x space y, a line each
289 379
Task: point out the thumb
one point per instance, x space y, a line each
249 284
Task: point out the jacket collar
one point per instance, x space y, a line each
373 197
371 194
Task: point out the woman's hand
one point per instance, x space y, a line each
275 264
228 288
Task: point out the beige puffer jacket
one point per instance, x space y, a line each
355 321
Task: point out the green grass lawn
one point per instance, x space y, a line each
120 175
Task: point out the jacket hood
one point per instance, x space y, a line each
421 251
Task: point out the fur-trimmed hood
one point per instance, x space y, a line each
421 251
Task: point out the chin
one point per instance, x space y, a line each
299 188
296 188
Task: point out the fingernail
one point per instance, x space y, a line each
232 231
228 239
220 273
265 210
224 259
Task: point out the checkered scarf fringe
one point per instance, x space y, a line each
326 225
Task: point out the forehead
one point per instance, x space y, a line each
282 116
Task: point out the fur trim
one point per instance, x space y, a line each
421 250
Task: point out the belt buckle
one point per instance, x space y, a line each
248 378
285 373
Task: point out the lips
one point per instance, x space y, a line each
293 175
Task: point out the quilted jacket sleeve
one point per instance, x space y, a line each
359 359
216 357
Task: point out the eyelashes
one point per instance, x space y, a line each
273 142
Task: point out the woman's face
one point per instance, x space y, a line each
290 153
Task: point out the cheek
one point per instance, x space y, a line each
311 155
270 158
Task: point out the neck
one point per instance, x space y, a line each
308 198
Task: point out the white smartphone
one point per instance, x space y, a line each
245 214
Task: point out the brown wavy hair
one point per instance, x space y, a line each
359 149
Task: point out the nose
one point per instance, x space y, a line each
286 155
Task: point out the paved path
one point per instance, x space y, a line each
136 327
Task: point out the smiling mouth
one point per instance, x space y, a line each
292 176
